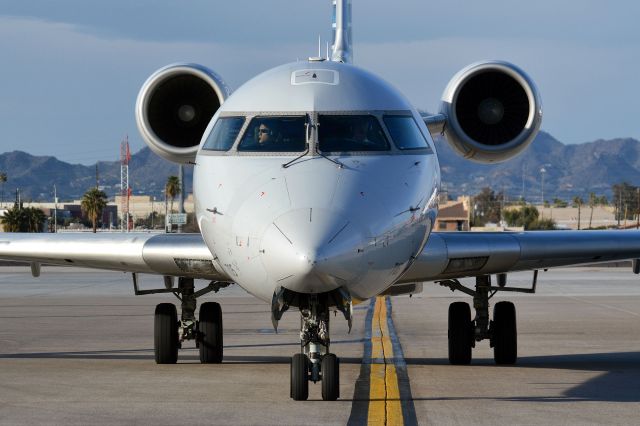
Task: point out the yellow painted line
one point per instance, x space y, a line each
384 391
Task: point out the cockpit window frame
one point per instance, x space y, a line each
251 119
430 147
211 128
353 114
314 142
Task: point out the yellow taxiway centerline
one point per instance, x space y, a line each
384 391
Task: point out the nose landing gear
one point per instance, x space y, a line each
315 362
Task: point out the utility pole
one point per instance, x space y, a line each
125 191
524 169
502 208
181 195
619 205
638 210
55 209
542 172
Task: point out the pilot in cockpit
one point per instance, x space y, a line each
267 134
360 131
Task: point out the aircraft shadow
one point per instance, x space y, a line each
619 381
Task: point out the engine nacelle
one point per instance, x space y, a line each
175 106
493 111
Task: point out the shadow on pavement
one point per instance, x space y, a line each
619 381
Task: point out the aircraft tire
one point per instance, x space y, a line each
210 333
330 377
460 333
299 377
165 343
504 333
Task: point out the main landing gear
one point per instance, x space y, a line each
502 333
314 362
170 333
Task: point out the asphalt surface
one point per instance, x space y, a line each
76 347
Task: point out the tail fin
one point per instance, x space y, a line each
341 49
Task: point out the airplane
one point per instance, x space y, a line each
316 188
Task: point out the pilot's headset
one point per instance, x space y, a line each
268 124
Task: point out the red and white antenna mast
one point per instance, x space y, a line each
125 191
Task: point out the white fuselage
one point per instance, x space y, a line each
316 225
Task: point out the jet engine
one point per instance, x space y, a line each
493 111
174 107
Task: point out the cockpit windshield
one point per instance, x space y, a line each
224 134
275 134
341 133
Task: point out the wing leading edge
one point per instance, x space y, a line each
468 254
166 254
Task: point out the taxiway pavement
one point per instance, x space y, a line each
76 347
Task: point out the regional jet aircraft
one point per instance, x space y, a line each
316 187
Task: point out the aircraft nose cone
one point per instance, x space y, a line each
307 250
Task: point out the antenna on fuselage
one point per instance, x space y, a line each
341 49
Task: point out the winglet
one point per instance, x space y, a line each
341 51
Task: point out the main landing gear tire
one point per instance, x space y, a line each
165 342
300 377
504 333
210 333
330 368
460 333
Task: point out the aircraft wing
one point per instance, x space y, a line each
469 254
165 254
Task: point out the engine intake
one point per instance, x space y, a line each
493 111
174 107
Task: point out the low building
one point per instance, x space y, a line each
454 215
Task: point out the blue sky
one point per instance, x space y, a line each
71 69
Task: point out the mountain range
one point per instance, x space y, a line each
569 170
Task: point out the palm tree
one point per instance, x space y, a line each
12 220
93 203
172 189
19 219
3 180
593 202
33 219
578 202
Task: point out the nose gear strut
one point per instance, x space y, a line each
314 362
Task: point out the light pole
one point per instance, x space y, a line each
542 172
55 209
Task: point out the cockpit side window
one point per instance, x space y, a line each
224 134
275 134
405 132
343 133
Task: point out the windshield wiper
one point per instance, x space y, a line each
308 127
330 159
288 164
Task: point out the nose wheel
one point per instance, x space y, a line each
299 377
330 377
315 363
302 372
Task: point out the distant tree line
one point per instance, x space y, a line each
489 206
23 219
